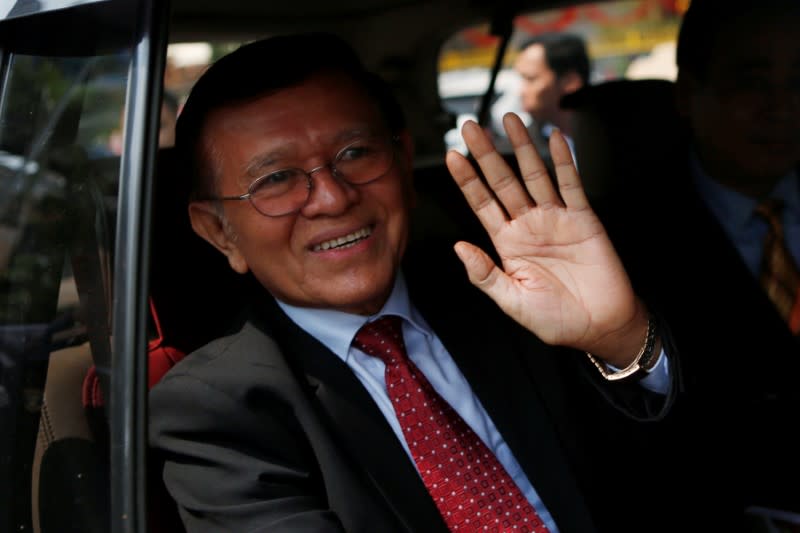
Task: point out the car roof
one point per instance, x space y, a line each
358 19
400 40
387 34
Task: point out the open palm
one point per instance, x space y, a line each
560 276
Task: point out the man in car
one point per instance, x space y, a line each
550 66
730 200
367 386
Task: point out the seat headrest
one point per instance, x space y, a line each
610 95
192 287
621 128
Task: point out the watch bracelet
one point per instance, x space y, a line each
644 360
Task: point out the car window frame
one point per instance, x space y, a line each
128 405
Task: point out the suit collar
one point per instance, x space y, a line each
735 210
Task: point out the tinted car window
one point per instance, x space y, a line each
60 100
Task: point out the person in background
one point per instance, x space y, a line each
728 205
549 66
365 385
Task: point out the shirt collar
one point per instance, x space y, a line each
336 329
547 129
734 209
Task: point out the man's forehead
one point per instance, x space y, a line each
323 96
532 59
763 37
534 52
761 43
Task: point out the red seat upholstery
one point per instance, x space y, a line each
161 356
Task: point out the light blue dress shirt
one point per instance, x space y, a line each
336 331
735 213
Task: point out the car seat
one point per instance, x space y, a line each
621 128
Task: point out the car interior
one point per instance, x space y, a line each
66 366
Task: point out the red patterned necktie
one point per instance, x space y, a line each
468 484
779 274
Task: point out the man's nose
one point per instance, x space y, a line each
329 195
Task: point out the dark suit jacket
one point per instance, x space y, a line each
266 430
740 362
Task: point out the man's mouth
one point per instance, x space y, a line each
344 242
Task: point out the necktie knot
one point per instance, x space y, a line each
382 338
770 210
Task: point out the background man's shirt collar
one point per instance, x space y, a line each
733 209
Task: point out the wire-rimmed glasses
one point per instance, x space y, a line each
286 191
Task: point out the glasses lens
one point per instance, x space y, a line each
280 192
364 160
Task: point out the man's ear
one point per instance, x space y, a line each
211 226
570 82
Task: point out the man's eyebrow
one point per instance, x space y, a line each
351 134
263 160
260 161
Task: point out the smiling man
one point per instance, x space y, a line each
343 251
305 417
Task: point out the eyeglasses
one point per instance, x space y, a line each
287 190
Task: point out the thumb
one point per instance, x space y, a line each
483 273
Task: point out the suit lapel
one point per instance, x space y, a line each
353 417
725 274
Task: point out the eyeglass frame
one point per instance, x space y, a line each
309 181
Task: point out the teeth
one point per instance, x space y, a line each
348 240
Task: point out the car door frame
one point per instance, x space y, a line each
126 386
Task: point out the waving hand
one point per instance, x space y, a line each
560 276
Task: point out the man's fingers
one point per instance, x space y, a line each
483 273
569 182
479 198
534 172
500 177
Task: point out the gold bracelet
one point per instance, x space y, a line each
641 363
